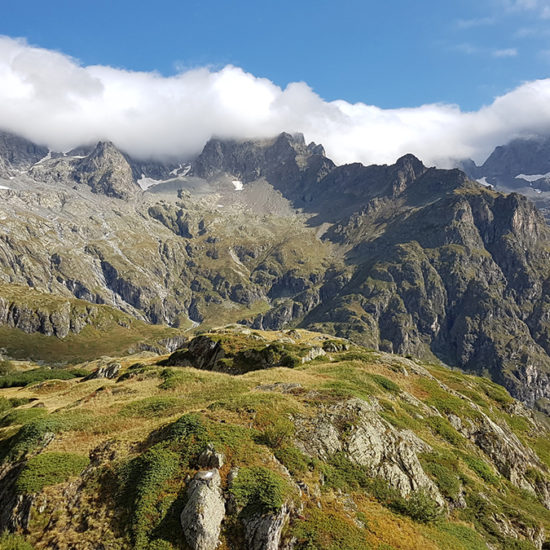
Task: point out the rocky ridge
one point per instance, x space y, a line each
354 448
401 258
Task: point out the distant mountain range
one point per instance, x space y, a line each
271 233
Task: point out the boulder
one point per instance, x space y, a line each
204 512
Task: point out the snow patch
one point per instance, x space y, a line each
483 181
47 157
238 184
4 187
145 183
532 177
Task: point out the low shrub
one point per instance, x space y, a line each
152 407
442 427
386 383
22 416
330 531
481 468
142 481
25 378
294 460
277 432
49 469
446 478
32 434
11 541
259 490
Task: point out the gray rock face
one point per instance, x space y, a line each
205 509
210 458
263 532
109 371
18 153
107 171
370 442
58 319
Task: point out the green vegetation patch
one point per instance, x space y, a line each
22 416
34 433
143 480
329 531
260 490
443 468
11 541
153 407
49 469
442 427
41 374
480 467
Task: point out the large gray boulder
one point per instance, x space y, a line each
204 512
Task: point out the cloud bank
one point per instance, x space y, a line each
53 100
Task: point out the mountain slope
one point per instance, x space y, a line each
271 233
351 449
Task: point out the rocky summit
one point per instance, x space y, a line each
336 409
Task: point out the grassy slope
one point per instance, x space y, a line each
249 424
111 332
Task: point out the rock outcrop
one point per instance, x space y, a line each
264 531
204 512
368 441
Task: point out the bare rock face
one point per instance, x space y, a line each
205 509
107 172
263 532
371 442
210 458
109 371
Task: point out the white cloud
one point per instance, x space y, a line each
541 8
52 99
507 52
475 22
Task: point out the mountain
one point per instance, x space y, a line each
521 165
320 444
271 234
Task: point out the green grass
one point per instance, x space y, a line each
11 541
442 427
328 531
153 407
260 490
142 481
32 435
22 416
25 378
480 467
49 469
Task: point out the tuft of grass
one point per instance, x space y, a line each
386 383
49 469
443 469
480 467
32 435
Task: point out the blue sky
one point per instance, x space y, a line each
392 54
369 80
